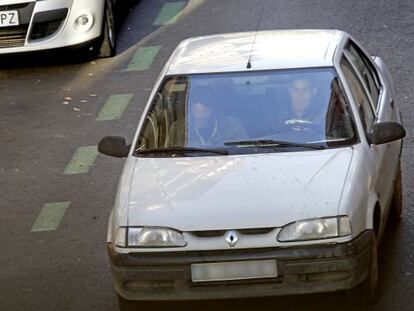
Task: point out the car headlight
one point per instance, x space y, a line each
314 229
149 237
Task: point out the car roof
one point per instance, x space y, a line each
276 49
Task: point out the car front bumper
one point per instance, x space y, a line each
49 24
308 269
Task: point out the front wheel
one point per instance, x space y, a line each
107 40
367 292
397 198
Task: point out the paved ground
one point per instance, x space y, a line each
56 192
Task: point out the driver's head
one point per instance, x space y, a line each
301 92
201 114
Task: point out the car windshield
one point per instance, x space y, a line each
248 112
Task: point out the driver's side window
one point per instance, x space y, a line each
358 93
339 123
366 71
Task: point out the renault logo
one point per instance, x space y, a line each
232 238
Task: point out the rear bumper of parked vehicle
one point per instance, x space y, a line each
49 25
310 269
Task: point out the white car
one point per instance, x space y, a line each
30 25
264 164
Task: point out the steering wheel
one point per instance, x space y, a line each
300 127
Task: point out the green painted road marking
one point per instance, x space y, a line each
143 58
82 160
50 216
114 107
169 13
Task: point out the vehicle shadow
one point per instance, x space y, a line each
136 21
320 302
48 58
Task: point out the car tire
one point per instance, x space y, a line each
397 198
367 292
107 41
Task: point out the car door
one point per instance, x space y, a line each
378 93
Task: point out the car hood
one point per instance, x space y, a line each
236 192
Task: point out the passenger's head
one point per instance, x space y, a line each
301 92
201 114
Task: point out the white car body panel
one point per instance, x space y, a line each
67 35
372 161
188 194
5 2
272 50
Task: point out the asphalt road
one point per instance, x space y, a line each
48 109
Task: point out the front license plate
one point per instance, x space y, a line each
9 18
236 270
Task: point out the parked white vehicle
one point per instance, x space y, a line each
30 25
264 164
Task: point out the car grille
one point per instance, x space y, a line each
217 233
13 36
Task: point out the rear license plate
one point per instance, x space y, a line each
236 270
9 18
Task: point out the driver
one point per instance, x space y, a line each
302 93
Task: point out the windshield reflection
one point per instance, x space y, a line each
304 106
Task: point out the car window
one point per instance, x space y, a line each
366 71
168 108
339 121
361 100
215 111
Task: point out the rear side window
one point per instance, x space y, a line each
365 69
361 100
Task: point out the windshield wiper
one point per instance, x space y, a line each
181 150
272 143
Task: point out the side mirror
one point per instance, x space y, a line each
385 132
114 146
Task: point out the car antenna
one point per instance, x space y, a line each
249 63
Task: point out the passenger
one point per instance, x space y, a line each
207 127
